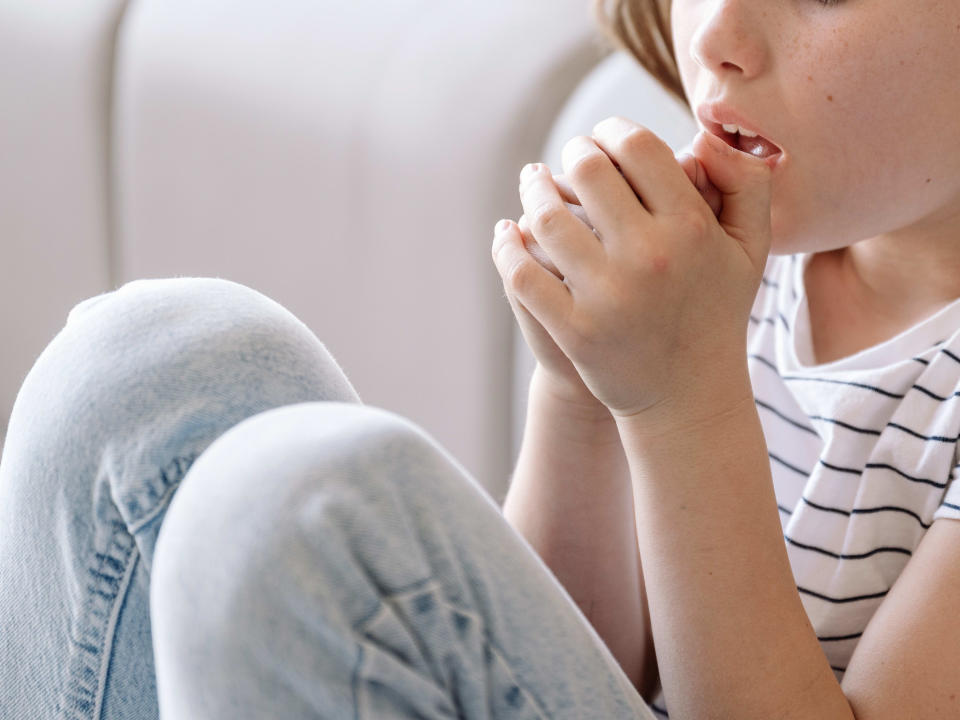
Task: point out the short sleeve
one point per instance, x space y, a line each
950 505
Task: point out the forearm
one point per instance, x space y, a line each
733 639
571 498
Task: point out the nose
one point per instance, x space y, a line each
730 37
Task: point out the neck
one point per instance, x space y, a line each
899 279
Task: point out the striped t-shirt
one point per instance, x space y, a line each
862 452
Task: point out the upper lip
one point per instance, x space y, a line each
715 114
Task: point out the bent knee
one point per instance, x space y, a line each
260 481
268 478
263 506
157 370
277 456
177 314
158 341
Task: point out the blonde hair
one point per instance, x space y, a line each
642 28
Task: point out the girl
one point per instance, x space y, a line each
199 519
793 495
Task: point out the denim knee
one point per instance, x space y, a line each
142 379
257 564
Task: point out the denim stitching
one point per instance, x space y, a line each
91 632
169 480
84 691
111 629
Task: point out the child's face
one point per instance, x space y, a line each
862 96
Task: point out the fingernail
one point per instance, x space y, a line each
528 170
502 226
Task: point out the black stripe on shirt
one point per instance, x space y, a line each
885 466
859 511
871 431
837 638
854 598
777 458
766 362
938 438
757 321
864 511
841 556
796 423
770 319
934 395
901 473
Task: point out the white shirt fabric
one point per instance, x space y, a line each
863 452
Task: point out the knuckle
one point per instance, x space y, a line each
519 275
547 217
588 166
639 140
691 225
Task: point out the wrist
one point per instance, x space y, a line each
568 401
689 414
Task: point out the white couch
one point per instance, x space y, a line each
347 159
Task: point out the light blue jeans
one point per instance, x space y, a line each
199 520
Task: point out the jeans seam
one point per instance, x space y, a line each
108 580
171 481
92 635
111 627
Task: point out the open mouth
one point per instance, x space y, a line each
757 146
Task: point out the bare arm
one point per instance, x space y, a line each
571 498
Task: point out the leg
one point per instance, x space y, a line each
329 560
137 384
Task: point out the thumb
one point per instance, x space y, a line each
744 182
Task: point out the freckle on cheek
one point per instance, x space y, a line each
830 98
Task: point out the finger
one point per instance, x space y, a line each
568 194
535 249
698 176
566 189
648 164
604 193
569 243
538 290
576 210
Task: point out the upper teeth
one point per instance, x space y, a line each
737 128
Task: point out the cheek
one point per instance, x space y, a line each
682 29
845 92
